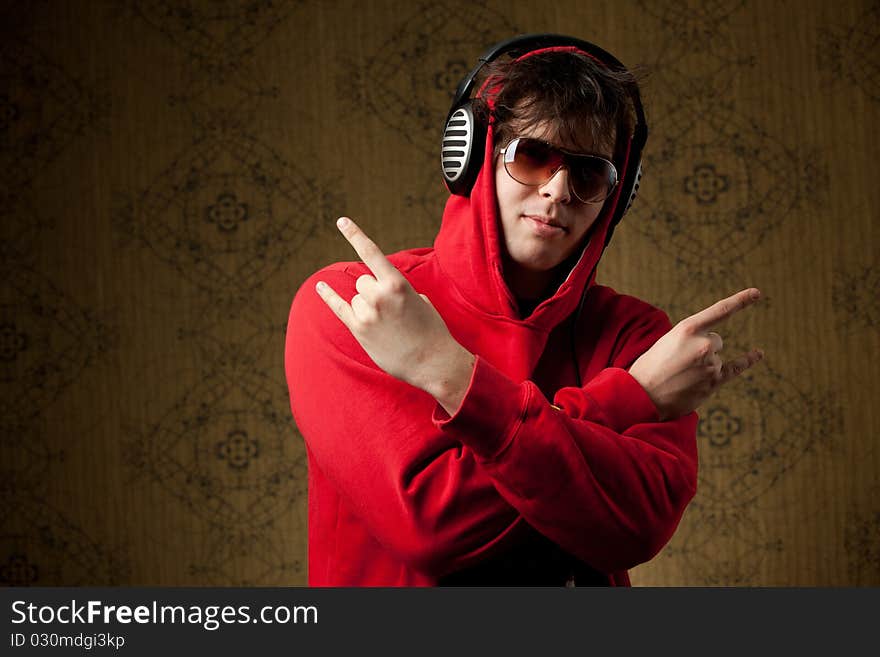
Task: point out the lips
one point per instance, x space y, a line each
545 223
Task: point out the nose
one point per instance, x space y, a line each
557 188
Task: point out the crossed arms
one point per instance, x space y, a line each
439 481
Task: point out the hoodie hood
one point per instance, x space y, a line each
468 249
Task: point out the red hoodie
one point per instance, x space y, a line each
534 480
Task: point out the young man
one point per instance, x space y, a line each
482 412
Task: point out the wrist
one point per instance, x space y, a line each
635 373
646 386
450 378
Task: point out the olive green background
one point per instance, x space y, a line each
170 175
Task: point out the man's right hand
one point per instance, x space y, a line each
683 367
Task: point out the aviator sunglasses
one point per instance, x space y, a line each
534 162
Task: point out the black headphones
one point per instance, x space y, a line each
464 137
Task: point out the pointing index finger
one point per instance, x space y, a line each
367 250
724 309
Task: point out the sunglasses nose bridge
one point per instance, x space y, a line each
547 186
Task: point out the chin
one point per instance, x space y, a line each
537 262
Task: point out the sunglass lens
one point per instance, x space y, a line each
592 179
533 162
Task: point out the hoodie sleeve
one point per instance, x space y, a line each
418 490
595 471
608 491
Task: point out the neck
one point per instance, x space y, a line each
528 285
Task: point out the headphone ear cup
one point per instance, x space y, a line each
634 190
461 153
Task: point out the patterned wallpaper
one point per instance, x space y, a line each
171 173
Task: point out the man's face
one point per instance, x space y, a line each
545 224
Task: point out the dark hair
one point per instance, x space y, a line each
581 101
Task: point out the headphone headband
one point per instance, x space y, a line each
530 42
